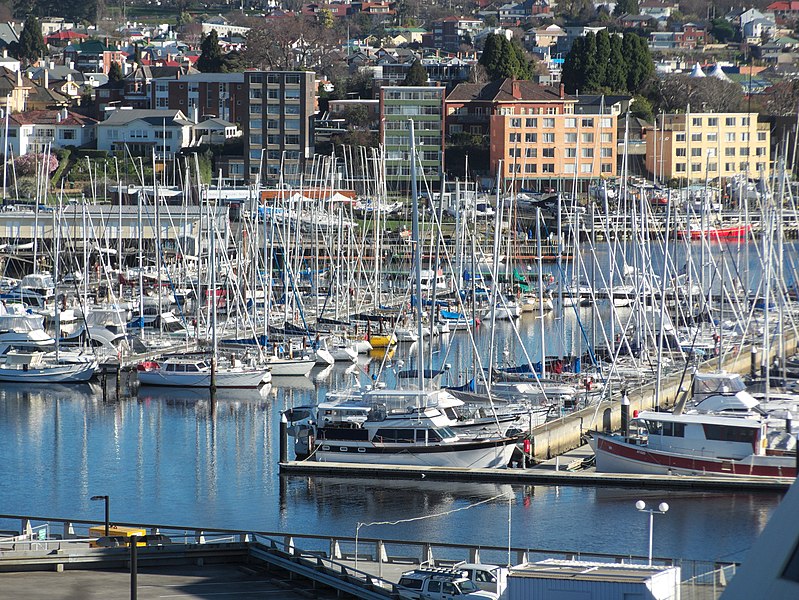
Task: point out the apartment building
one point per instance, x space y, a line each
202 95
425 105
278 124
699 146
536 134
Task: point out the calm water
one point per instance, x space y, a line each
173 457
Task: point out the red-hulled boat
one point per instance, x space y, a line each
737 232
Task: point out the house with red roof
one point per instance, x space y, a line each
64 38
785 11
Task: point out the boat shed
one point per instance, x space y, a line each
576 580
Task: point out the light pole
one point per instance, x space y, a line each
107 510
662 509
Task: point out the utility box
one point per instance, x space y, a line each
575 580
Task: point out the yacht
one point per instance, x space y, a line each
393 427
196 372
41 367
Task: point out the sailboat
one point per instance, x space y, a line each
395 427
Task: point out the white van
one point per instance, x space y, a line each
491 578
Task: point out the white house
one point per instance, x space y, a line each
215 131
33 130
144 131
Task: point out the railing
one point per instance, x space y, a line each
333 551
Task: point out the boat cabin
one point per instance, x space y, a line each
185 366
733 438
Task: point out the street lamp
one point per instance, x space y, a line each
662 509
107 506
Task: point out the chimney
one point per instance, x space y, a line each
516 90
19 78
562 91
46 78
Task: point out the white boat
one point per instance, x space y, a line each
196 372
691 444
367 430
290 367
507 310
38 367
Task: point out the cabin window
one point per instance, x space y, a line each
724 433
192 368
170 368
654 427
674 429
395 435
420 435
434 586
411 584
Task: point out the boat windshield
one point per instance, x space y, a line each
445 432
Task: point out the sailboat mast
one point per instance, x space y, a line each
417 256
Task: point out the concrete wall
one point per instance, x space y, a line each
556 437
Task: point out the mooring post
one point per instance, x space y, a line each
625 414
284 446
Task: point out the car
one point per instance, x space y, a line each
439 584
491 578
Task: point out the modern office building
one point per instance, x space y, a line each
278 126
699 146
425 106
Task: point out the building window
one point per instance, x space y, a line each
548 168
745 121
712 137
549 123
571 138
606 152
696 137
548 138
588 138
515 123
745 136
607 168
729 166
679 137
743 151
606 138
696 167
570 123
729 151
531 122
531 138
730 121
761 166
761 136
515 138
588 153
760 151
587 122
256 139
548 152
743 166
552 110
530 168
696 121
712 122
606 123
568 169
453 129
571 152
531 152
515 152
696 151
730 137
68 134
711 166
586 168
680 167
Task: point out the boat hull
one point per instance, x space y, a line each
291 367
483 454
614 456
232 379
69 373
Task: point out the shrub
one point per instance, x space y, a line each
29 164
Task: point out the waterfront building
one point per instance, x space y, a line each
32 131
278 124
425 105
698 146
536 132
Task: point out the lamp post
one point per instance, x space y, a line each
107 511
662 509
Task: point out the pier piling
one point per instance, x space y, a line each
284 446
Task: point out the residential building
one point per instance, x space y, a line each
700 146
142 132
34 131
201 95
689 37
658 9
93 56
215 131
278 126
450 32
425 105
544 37
536 151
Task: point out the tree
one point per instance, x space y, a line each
115 72
502 59
594 72
417 75
626 7
290 43
31 44
210 60
722 30
616 71
704 94
640 67
642 108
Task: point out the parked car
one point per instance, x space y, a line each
491 578
439 584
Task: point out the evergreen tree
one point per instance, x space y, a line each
592 79
626 7
602 57
115 72
31 44
417 75
639 61
210 60
574 66
502 59
490 57
616 71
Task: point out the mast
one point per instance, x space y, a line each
540 290
417 255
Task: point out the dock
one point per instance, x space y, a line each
542 475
